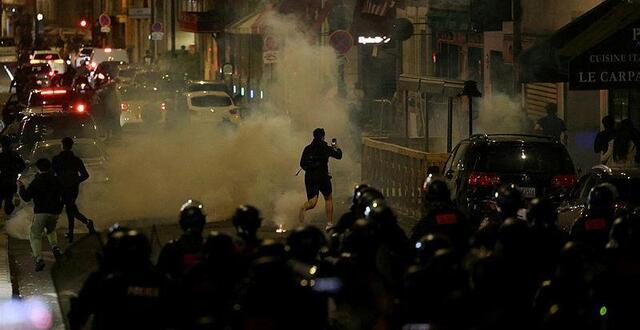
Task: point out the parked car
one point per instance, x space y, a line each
29 76
38 127
99 55
8 50
208 86
84 55
140 105
89 150
54 100
214 107
538 166
50 57
626 181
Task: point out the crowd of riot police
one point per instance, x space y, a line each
506 271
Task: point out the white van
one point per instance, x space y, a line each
99 55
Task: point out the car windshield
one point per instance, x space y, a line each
628 189
220 87
38 128
48 57
82 150
211 101
527 158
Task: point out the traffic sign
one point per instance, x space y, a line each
157 35
104 20
341 41
270 57
156 27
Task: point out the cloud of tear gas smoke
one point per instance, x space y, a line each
255 163
499 114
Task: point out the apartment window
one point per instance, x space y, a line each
448 61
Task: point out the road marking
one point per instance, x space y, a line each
8 72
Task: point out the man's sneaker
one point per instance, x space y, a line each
39 265
90 226
57 253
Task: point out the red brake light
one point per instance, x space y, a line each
52 73
124 106
564 181
81 108
483 179
53 91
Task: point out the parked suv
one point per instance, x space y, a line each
538 166
626 181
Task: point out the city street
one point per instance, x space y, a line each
319 164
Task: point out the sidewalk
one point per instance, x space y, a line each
5 278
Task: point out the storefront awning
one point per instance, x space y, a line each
430 85
251 24
548 60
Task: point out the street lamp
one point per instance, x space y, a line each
470 90
39 17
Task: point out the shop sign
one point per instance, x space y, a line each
614 63
140 12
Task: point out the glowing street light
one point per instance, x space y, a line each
39 17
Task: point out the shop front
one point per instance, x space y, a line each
594 65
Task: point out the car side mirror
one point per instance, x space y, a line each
433 170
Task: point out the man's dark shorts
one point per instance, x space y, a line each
316 185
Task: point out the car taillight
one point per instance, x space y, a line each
483 179
80 108
52 73
564 181
124 106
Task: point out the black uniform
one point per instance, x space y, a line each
315 163
71 171
122 300
178 255
11 164
447 220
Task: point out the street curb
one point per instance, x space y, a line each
6 290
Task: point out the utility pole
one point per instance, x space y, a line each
173 27
516 12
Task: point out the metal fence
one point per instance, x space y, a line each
398 172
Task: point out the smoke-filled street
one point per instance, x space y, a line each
319 164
